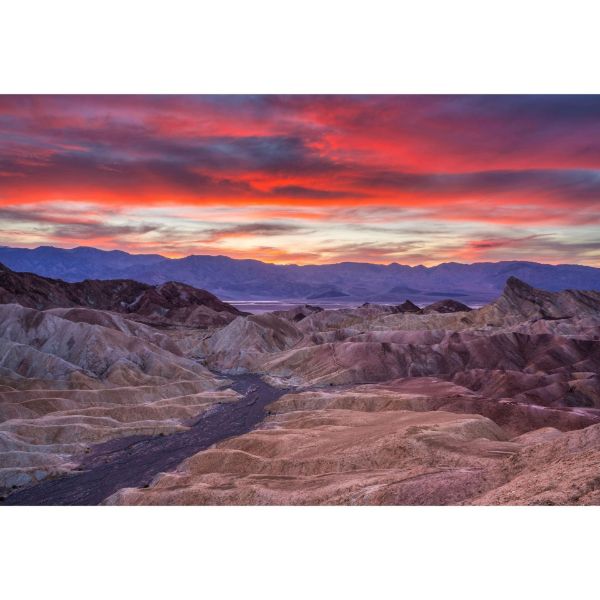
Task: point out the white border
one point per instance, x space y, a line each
277 552
273 46
325 46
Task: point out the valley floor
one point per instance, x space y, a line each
134 461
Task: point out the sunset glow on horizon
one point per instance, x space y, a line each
305 179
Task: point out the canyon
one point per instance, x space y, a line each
167 395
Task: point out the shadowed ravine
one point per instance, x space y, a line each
134 461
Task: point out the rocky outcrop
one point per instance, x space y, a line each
395 457
246 340
92 350
408 307
554 469
522 301
389 404
378 342
298 313
165 304
401 442
339 457
447 306
73 377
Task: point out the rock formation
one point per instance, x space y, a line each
165 304
446 306
385 404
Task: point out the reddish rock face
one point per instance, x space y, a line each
522 299
386 404
168 303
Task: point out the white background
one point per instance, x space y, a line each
299 47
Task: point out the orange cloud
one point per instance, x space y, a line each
528 166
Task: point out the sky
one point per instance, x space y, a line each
305 179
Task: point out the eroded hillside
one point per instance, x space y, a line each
379 404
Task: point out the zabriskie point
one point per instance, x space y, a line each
350 300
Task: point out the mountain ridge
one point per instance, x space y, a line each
255 260
167 304
232 279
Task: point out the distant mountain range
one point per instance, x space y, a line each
233 279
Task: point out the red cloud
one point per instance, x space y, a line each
508 160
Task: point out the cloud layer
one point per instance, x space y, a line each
413 179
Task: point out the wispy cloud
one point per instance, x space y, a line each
321 178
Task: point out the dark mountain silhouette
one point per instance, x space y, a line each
168 303
446 306
252 279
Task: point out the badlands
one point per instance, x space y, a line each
378 405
